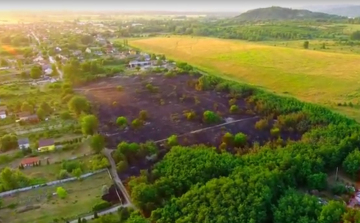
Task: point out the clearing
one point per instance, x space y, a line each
165 108
319 77
82 195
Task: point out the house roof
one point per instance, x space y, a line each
3 108
23 114
46 142
30 160
2 112
23 141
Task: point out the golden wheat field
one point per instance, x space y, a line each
319 77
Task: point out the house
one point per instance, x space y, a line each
24 143
31 161
136 63
3 112
88 50
27 117
46 145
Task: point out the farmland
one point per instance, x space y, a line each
325 78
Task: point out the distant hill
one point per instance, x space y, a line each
348 11
279 13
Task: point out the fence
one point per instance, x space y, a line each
7 193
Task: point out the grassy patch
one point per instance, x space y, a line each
82 195
319 77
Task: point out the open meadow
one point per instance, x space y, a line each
325 78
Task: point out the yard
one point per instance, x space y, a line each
319 77
82 195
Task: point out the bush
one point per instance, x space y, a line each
61 192
275 132
338 189
119 88
190 115
65 116
101 206
136 123
240 139
210 117
228 138
121 121
143 115
172 140
234 109
262 124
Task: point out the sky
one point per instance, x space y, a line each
161 5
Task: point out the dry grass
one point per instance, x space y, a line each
82 195
319 77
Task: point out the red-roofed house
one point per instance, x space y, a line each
31 161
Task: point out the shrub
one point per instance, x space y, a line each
61 192
136 123
101 206
190 115
121 121
228 138
65 116
232 101
262 124
63 174
234 109
119 88
172 140
275 132
143 115
210 117
338 189
240 139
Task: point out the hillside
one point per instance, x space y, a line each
348 11
279 13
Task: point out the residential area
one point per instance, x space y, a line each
44 141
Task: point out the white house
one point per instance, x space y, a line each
24 143
88 50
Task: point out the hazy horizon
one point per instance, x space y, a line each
159 5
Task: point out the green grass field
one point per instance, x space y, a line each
325 78
82 195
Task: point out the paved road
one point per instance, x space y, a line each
51 59
61 75
113 172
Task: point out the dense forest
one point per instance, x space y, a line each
268 183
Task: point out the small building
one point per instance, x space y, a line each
3 112
136 63
88 50
27 117
31 161
24 143
46 145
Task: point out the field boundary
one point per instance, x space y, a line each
52 183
